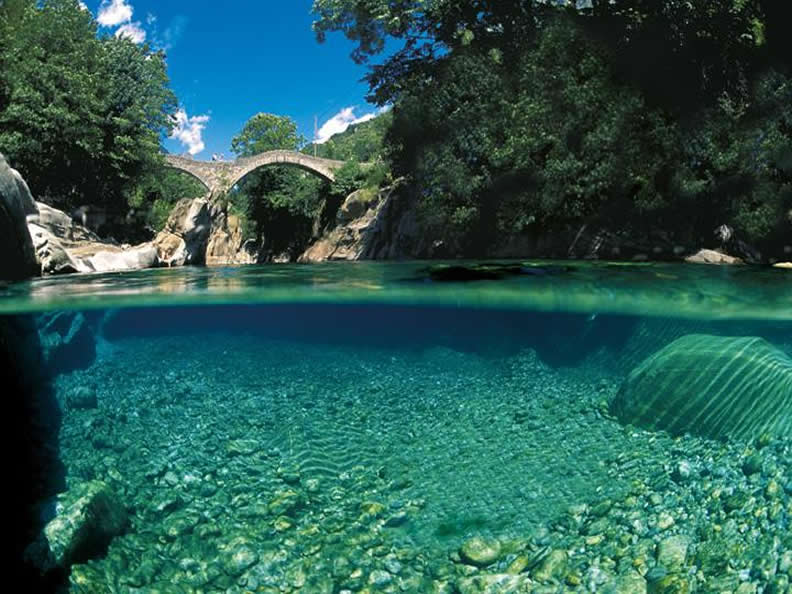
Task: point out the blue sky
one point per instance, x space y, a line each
230 60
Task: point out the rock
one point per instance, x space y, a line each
226 243
786 265
62 246
714 386
68 341
503 583
672 551
135 258
239 555
87 518
705 256
551 567
630 583
752 465
355 205
380 578
371 227
82 397
17 256
184 239
61 225
52 256
480 552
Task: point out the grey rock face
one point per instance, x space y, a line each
17 257
135 258
87 518
184 239
52 256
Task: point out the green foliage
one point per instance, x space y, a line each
524 117
363 142
348 178
266 132
276 205
80 116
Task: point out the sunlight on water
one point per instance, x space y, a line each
381 428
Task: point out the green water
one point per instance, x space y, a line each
391 428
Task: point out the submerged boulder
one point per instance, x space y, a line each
68 341
715 386
86 518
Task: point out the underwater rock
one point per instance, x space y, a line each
480 552
82 398
68 341
87 518
715 386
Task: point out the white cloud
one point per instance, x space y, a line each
188 131
131 31
83 6
114 12
341 121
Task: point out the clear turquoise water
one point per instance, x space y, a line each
349 427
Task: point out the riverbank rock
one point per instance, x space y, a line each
87 518
118 259
17 256
186 234
716 386
705 256
370 226
52 256
226 244
64 246
787 265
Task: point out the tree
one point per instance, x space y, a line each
266 132
527 116
81 116
277 205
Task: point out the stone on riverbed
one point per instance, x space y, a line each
715 386
480 552
87 518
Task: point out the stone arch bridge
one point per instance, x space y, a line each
220 176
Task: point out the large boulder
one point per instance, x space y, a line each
370 226
61 225
67 339
52 256
719 387
86 518
118 260
226 243
705 256
17 257
184 239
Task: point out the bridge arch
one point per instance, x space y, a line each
221 176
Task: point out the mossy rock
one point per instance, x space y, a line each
715 386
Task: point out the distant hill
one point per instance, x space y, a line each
360 142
